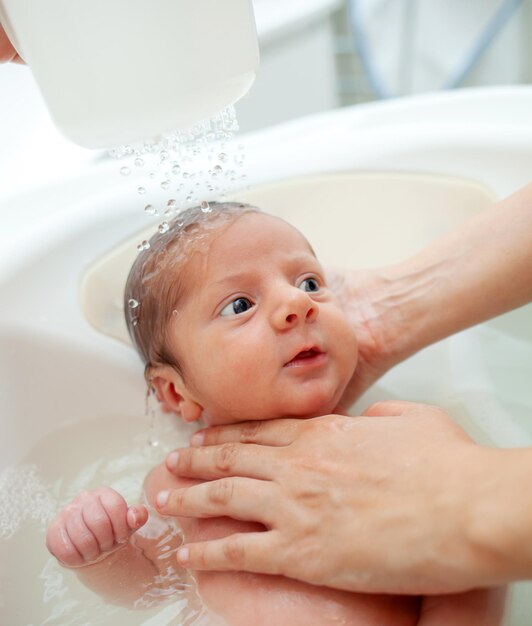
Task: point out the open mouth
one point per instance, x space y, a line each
306 357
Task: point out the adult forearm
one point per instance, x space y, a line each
478 271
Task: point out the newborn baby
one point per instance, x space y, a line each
232 316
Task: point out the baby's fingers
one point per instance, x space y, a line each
60 545
93 525
137 516
81 536
123 520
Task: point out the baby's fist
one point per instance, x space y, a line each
94 524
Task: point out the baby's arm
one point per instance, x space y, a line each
94 535
481 607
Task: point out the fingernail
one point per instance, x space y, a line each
162 498
197 439
183 555
172 459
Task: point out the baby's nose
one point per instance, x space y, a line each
296 309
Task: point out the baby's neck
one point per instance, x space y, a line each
205 422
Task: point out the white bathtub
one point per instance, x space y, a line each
368 185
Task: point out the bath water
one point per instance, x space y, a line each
113 451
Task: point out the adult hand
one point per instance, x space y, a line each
453 283
367 297
7 51
399 500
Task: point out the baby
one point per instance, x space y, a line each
234 321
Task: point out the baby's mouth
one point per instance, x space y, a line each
305 357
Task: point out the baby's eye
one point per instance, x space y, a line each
309 284
240 305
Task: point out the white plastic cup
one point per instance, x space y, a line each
116 72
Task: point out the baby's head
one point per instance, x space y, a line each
231 314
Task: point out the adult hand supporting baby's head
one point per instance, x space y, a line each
391 501
369 299
7 50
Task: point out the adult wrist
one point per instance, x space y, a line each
409 305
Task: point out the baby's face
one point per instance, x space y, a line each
259 335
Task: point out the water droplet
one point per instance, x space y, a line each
165 184
216 171
176 170
164 228
149 209
222 157
141 191
135 321
205 207
125 171
138 162
171 203
186 175
144 245
188 198
132 303
163 155
152 174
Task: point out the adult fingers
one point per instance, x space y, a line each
250 552
278 432
224 460
240 498
390 408
7 51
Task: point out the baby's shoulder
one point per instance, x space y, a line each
160 479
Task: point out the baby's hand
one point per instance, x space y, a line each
94 524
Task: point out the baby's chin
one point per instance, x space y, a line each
308 411
313 408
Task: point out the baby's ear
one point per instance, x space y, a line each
172 393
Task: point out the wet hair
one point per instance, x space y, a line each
155 286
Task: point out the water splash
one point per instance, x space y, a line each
24 496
